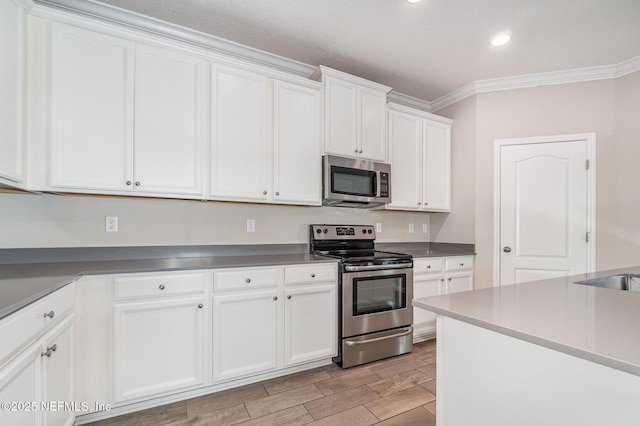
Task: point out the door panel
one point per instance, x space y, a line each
543 210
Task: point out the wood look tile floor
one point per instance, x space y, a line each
395 391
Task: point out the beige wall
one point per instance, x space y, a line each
607 108
28 221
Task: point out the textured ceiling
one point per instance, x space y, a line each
424 50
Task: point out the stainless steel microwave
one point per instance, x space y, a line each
351 182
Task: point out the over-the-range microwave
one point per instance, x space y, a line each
352 182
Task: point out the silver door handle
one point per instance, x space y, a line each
350 268
507 249
378 339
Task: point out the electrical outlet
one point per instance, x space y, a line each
411 227
251 225
424 228
378 227
111 224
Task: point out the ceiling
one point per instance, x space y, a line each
424 50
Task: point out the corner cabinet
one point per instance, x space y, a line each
265 138
12 145
125 117
420 156
434 276
355 115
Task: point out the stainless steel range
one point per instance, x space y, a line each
376 289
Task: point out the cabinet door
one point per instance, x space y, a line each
58 368
372 135
244 334
91 110
424 322
11 91
20 383
158 347
311 323
341 122
296 144
405 143
437 167
458 281
170 121
239 135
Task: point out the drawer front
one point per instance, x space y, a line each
428 265
22 326
245 279
458 263
145 285
310 274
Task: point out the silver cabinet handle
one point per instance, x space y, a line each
356 151
378 339
49 314
200 305
128 183
137 183
462 264
161 286
442 279
360 152
419 203
507 249
264 192
428 266
289 297
50 350
448 279
277 192
275 297
313 275
248 280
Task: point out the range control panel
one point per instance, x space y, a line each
343 232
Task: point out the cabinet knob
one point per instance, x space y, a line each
462 264
128 183
137 183
428 266
161 286
355 151
289 297
426 204
49 314
49 351
360 152
275 297
248 281
277 192
264 192
313 275
200 305
448 279
507 249
419 203
442 279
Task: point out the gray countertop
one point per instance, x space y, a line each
22 284
596 324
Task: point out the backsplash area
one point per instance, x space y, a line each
45 220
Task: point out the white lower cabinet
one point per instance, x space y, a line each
38 383
269 319
159 344
433 276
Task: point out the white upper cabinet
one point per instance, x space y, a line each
420 156
170 102
125 117
355 115
265 138
296 144
11 93
91 109
238 134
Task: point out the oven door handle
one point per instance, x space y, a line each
353 268
378 339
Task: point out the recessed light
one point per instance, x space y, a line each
501 38
414 1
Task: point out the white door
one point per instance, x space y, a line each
58 372
372 131
341 117
169 125
296 144
238 135
436 181
19 384
405 146
543 196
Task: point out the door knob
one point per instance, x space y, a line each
507 249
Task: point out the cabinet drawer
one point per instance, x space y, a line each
143 285
310 274
31 321
458 263
245 279
428 265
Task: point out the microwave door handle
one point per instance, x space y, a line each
376 190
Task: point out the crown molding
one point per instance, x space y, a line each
540 79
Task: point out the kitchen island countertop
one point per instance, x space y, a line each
595 324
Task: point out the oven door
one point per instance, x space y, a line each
375 299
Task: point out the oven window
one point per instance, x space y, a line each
378 294
353 181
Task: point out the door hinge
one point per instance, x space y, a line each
586 165
588 236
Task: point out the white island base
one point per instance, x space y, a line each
488 378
